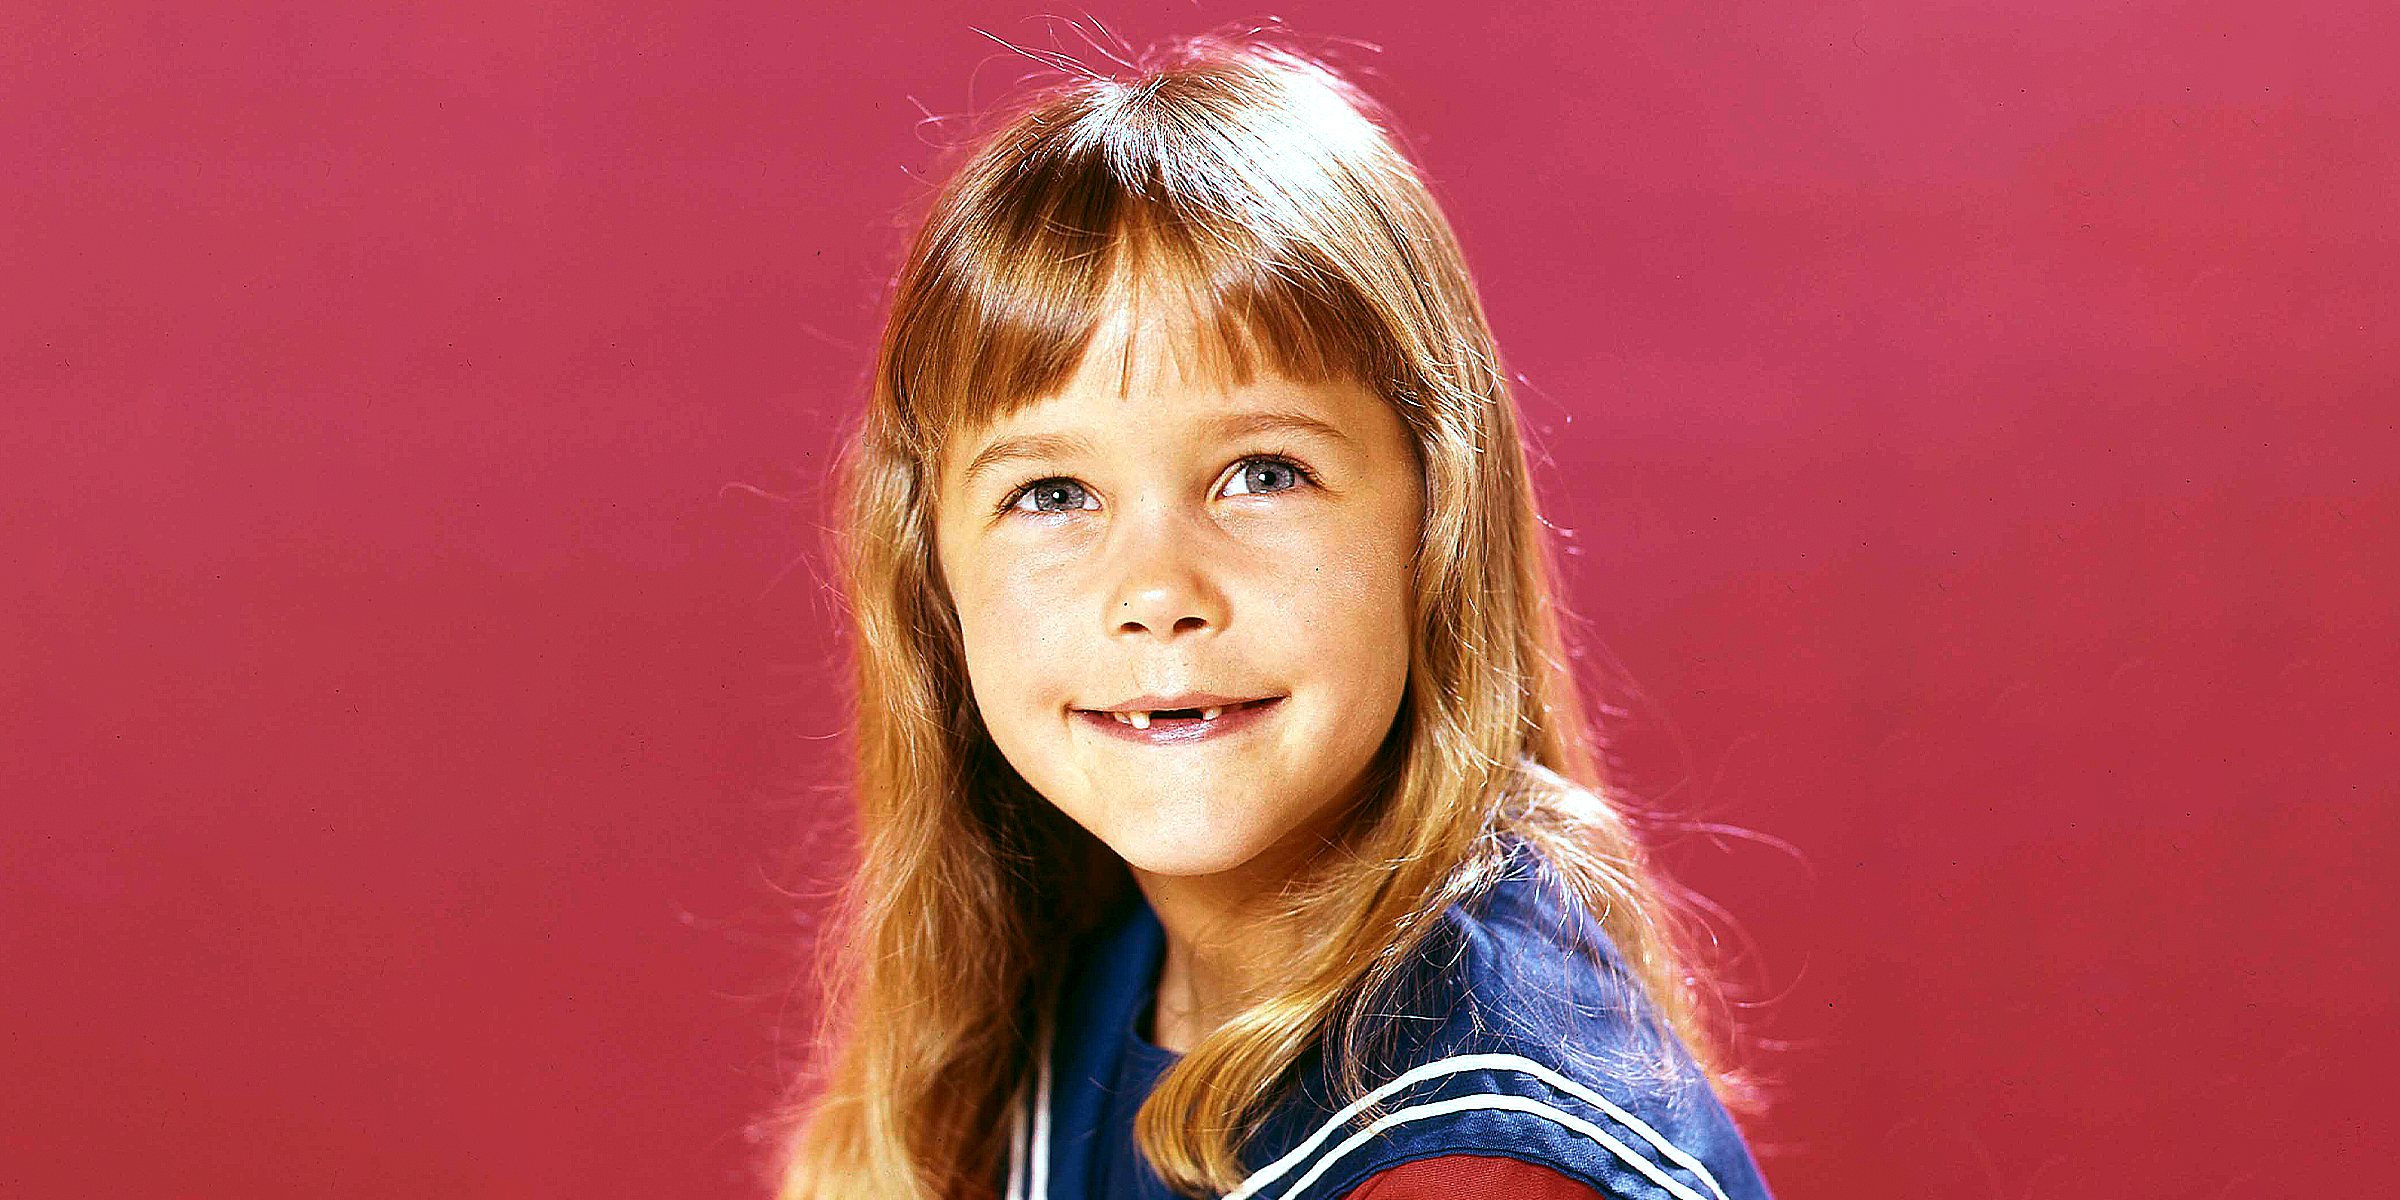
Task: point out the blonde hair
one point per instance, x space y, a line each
1270 193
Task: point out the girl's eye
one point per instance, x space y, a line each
1051 496
1265 474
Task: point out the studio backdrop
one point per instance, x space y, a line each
1969 430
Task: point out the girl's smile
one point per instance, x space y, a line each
1181 721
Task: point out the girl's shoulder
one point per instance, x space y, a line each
1518 1036
1515 1035
1452 1175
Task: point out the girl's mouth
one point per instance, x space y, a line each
1174 726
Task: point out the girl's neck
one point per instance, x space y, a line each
1219 955
1208 968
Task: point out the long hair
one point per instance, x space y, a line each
1270 195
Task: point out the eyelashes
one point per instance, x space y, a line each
1016 495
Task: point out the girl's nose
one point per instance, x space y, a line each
1164 590
1161 611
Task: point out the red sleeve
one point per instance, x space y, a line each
1449 1176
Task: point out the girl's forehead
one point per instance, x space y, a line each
1150 350
1157 354
1154 336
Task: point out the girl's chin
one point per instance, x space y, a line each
1209 844
1183 857
1181 862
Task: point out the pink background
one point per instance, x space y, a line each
1973 423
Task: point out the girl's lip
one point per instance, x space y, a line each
1175 731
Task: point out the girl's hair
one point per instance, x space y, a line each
1269 196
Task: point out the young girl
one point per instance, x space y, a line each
1228 821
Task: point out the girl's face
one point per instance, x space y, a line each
1145 541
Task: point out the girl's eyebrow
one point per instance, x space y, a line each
1039 446
1232 425
1030 446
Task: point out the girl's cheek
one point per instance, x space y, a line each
1035 556
1035 591
1016 604
1355 558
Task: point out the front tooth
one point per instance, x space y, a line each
1122 719
1141 720
1210 714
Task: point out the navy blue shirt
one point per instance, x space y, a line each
1124 1171
1509 1041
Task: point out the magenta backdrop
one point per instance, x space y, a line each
1973 423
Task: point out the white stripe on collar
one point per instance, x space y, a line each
1495 1100
1485 1062
1038 1186
1016 1142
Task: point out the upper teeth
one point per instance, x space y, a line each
1141 720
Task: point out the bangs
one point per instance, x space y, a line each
1082 219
